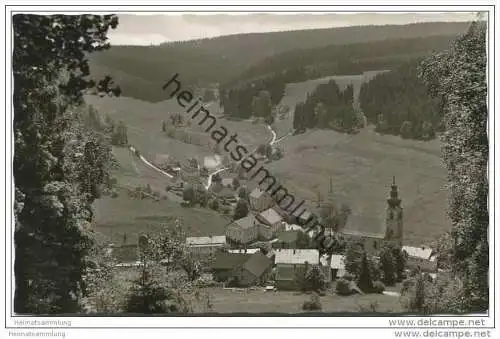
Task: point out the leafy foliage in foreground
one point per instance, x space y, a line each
458 77
58 164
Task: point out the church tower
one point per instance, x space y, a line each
394 217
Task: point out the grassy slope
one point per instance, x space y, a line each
361 167
124 215
116 216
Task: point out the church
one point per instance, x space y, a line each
373 232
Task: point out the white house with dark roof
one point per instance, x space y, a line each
260 200
423 257
290 262
200 246
244 230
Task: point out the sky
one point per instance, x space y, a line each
155 29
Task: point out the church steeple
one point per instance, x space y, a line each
394 221
394 200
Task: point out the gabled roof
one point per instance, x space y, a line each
206 241
246 222
418 252
294 256
270 216
257 264
228 261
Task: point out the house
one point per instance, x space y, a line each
224 265
205 246
421 257
333 265
242 269
260 200
296 256
244 230
290 263
273 221
255 271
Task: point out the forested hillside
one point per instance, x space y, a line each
142 70
273 73
398 103
328 107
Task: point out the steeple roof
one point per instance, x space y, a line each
394 200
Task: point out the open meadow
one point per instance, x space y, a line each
259 301
361 167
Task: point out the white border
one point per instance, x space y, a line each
296 322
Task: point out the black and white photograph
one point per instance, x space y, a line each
223 166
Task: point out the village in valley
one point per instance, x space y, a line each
270 249
354 184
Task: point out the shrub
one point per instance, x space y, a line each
313 304
378 287
315 279
342 287
348 277
214 204
148 297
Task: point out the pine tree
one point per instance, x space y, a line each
365 282
388 265
241 210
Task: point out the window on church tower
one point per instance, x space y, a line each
391 214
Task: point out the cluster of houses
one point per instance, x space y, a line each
262 246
